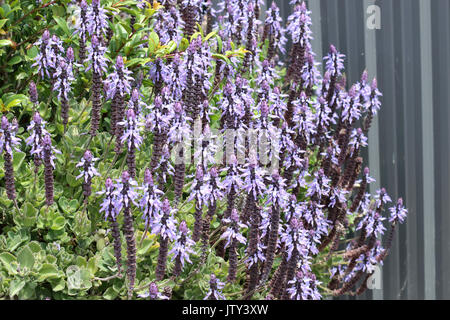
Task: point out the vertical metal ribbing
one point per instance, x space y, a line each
410 237
370 46
316 28
387 57
440 10
428 148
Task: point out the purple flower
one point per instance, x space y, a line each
299 23
274 29
232 232
398 213
212 188
304 287
150 202
153 293
334 62
375 103
164 223
253 177
97 19
88 170
168 25
182 247
63 76
33 93
180 128
214 293
295 237
119 81
126 191
8 139
49 165
132 130
8 142
43 59
110 204
97 56
382 198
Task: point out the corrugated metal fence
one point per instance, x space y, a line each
409 148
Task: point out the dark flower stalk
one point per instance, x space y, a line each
158 123
33 93
127 195
88 171
190 15
250 38
212 193
150 203
233 237
164 225
118 85
133 139
111 207
154 294
49 165
196 192
182 249
179 131
64 77
215 285
97 24
98 66
277 197
37 133
82 30
8 142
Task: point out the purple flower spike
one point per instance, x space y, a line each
33 93
398 213
88 172
8 142
150 202
182 248
215 287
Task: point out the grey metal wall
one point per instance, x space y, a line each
409 148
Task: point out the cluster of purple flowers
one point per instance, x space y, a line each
304 122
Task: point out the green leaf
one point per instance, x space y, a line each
110 294
15 286
14 60
7 259
48 271
2 22
153 42
18 158
63 25
13 103
58 223
72 180
184 44
5 42
219 43
30 214
222 57
210 35
57 284
26 258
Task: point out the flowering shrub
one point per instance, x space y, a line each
177 150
